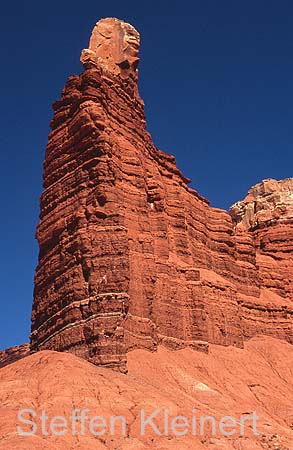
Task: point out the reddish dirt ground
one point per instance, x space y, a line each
227 381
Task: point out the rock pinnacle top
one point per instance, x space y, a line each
114 45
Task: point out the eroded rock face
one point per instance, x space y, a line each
130 255
267 203
13 354
266 214
114 45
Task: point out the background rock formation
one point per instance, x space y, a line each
13 354
130 255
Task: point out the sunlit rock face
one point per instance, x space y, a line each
131 256
114 45
266 214
267 203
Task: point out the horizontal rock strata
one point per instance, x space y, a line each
13 354
130 255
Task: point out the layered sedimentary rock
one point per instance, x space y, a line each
266 214
13 354
130 255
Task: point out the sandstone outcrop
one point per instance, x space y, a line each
132 257
114 45
266 214
13 354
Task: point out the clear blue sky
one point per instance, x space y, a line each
217 79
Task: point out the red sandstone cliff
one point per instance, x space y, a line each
130 255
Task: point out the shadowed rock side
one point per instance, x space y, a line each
13 354
130 255
225 382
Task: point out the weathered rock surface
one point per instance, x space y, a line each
13 354
130 255
114 45
266 214
227 381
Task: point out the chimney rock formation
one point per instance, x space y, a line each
131 256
